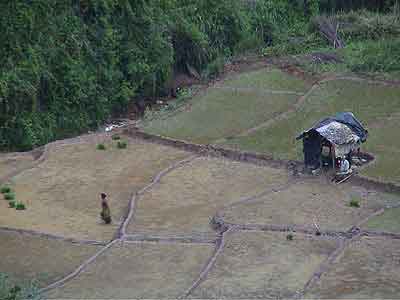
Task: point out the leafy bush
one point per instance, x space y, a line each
20 206
214 68
101 147
5 189
122 145
11 204
115 137
20 291
289 237
374 56
354 203
68 65
364 25
9 196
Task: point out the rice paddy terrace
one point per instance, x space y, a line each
194 224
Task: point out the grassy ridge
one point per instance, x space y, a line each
223 113
374 105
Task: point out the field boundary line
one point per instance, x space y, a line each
219 247
52 236
257 90
79 269
256 197
132 203
255 158
325 266
185 239
284 115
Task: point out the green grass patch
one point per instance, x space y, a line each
9 196
5 189
20 206
122 145
242 103
101 147
388 221
354 203
270 79
219 114
373 105
115 137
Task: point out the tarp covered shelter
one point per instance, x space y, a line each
343 133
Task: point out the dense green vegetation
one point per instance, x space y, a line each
9 290
68 65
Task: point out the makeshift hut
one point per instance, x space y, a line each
332 138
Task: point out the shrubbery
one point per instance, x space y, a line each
22 291
122 144
9 196
68 65
5 189
374 56
101 147
354 203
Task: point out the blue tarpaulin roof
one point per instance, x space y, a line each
346 118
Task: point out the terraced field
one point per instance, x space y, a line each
62 193
377 106
231 107
191 225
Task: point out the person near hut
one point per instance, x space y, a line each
105 209
344 166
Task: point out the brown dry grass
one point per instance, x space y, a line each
10 164
62 194
26 257
263 265
368 269
187 198
150 271
309 201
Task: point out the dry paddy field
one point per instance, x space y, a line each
43 260
138 270
186 199
368 269
261 265
12 164
62 193
311 201
169 247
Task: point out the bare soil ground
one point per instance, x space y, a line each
152 271
311 200
43 260
368 269
62 194
263 265
188 197
10 164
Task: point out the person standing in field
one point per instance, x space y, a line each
105 209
